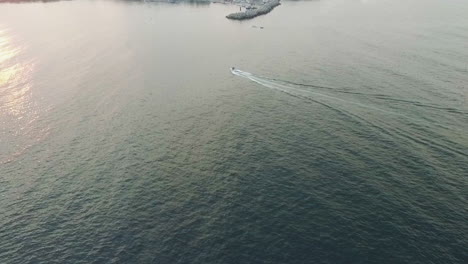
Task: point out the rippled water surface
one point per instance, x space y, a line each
340 137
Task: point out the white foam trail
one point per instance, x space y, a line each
287 89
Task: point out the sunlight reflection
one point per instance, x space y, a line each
15 80
15 89
18 108
7 75
6 52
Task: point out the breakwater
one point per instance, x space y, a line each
254 12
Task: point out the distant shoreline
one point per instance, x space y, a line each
253 8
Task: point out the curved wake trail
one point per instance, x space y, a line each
272 84
384 97
301 93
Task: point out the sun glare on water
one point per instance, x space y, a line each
6 52
15 79
18 107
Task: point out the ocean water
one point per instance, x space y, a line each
340 137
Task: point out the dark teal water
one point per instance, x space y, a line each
125 138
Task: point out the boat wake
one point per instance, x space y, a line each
292 89
289 89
